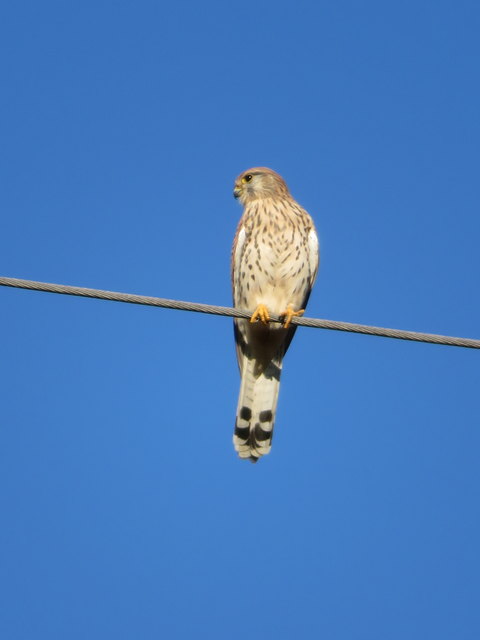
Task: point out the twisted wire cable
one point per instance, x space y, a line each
315 323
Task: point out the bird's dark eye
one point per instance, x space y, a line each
248 177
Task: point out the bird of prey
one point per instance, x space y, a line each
274 264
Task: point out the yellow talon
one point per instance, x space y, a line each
289 313
261 312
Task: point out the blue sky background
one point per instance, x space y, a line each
125 512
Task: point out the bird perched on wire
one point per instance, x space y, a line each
274 264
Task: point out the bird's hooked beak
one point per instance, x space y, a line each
236 192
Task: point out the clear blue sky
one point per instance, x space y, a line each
125 512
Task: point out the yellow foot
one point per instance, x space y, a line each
289 313
261 313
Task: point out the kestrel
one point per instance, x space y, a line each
274 264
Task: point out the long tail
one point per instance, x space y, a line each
257 405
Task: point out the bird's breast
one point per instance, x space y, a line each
274 270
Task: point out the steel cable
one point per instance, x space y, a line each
316 323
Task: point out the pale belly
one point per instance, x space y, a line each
275 278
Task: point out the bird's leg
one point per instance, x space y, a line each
289 313
261 313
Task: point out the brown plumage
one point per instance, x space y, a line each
274 265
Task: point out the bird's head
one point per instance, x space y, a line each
257 183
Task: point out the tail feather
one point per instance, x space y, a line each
257 405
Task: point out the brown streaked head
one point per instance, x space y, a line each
259 182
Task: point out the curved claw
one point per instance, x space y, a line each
261 313
289 313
